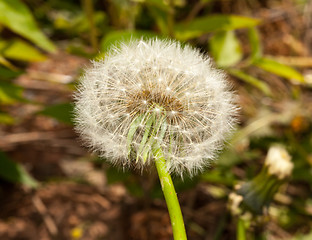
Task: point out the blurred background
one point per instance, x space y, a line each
51 187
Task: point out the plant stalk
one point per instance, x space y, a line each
170 19
89 11
241 230
170 197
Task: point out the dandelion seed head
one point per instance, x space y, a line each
160 79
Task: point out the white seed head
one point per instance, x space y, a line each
155 79
278 162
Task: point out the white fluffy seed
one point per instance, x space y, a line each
198 106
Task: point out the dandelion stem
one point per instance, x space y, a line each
170 196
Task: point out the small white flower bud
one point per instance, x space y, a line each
278 162
234 202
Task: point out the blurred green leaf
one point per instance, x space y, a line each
16 16
61 112
158 4
216 176
10 93
202 25
116 37
302 172
20 50
6 119
279 69
160 16
114 175
303 237
255 45
225 48
75 23
251 80
6 63
15 172
134 188
8 74
184 184
229 158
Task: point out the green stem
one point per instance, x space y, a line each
170 196
89 11
241 230
170 19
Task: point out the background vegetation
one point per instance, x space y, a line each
52 188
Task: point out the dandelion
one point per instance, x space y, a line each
156 102
252 199
258 193
155 92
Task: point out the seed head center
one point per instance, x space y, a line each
142 101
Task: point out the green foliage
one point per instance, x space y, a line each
219 175
16 16
279 69
303 237
115 175
75 23
255 44
6 63
214 23
10 93
267 64
15 172
159 12
251 80
17 49
61 112
225 48
117 37
8 74
6 119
